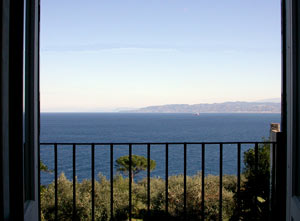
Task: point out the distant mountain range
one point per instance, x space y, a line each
226 107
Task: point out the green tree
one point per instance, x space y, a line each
138 164
254 196
139 199
44 168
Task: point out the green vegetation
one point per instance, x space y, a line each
139 198
255 189
44 168
138 164
253 197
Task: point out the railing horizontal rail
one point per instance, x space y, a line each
166 145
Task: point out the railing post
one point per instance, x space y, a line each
278 174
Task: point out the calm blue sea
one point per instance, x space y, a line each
129 127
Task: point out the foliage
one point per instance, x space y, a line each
138 164
139 198
254 196
44 168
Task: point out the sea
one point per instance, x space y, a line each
152 128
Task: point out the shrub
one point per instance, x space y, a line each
139 198
254 195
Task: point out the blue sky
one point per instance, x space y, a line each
101 55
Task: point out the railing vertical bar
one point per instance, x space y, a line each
167 179
39 182
203 183
131 176
256 173
273 163
273 177
184 181
221 184
74 182
93 181
111 181
55 177
270 190
130 180
239 179
148 178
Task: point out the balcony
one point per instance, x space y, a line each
201 196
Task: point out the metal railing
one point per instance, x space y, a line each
185 145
